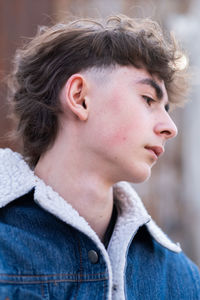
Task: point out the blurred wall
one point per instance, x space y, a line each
18 20
172 193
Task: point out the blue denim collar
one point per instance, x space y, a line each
16 179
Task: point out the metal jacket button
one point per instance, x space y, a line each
93 256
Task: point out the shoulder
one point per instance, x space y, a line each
24 214
181 272
174 271
25 231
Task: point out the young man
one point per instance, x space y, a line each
92 104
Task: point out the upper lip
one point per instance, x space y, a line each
158 150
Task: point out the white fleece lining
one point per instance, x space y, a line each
47 198
16 179
133 215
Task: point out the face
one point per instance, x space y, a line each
128 123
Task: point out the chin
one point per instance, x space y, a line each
141 176
137 174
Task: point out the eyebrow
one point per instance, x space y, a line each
154 85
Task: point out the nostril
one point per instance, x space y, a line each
167 132
166 129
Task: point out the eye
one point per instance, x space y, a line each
148 99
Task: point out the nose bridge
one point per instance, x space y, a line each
167 127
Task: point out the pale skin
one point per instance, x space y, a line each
114 127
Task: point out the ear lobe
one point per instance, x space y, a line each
76 96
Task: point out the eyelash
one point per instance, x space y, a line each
150 100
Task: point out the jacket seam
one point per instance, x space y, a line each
53 280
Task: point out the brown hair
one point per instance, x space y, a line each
44 65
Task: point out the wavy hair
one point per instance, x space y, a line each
44 64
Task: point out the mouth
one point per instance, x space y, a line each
155 150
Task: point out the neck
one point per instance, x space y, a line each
80 185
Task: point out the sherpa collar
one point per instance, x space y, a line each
16 179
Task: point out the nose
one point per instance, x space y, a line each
166 128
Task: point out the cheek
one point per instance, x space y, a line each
113 128
120 135
129 131
119 123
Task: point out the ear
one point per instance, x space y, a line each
75 96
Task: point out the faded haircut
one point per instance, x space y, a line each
44 65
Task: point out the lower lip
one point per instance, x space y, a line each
152 153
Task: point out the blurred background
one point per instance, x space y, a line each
172 194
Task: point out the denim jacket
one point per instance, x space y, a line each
48 251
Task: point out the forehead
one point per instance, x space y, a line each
139 77
128 76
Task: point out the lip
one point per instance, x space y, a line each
156 150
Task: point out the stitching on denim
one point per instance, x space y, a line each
62 274
104 290
48 290
81 268
77 288
81 260
53 280
42 290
